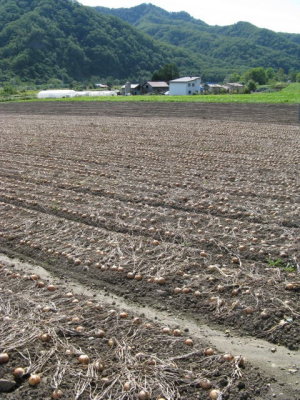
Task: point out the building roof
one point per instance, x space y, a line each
132 86
215 85
185 79
234 84
157 84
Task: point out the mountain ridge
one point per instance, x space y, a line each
42 40
242 45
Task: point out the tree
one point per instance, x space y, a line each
280 75
270 73
234 77
258 75
250 87
166 73
298 77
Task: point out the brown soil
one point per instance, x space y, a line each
197 217
45 332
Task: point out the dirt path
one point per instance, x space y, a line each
281 365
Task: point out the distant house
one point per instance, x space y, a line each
135 89
235 87
215 88
154 87
185 86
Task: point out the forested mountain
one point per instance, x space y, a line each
44 39
240 46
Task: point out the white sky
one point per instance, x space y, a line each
277 15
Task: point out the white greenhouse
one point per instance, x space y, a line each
64 93
56 94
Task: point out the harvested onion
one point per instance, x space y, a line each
143 395
4 358
57 394
214 394
34 379
18 372
84 359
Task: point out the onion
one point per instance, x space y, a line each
51 288
99 366
57 394
189 342
136 321
34 379
18 372
45 337
227 357
177 332
205 383
34 277
177 290
160 280
4 358
209 352
100 333
124 315
248 310
127 386
214 394
143 395
84 359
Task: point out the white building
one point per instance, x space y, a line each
185 86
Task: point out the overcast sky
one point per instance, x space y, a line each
278 15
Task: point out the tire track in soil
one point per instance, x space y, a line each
284 385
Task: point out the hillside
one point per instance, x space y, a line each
45 39
239 46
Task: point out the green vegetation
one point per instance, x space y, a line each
290 94
284 265
166 73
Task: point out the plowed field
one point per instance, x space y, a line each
189 215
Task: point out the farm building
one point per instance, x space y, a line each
135 89
235 87
215 88
153 87
185 86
